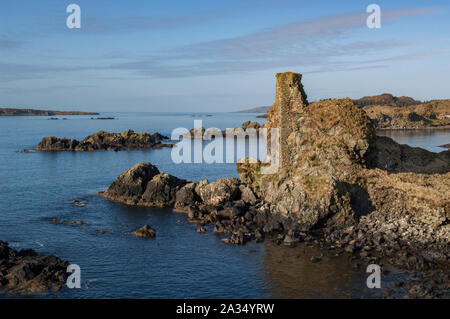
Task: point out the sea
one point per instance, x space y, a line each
37 187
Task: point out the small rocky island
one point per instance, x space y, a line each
33 112
237 132
389 112
408 116
25 272
339 186
104 141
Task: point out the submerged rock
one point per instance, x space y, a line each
145 232
127 140
26 272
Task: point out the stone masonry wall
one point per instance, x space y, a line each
290 100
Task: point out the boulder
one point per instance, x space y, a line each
219 192
161 190
247 195
186 195
131 185
250 124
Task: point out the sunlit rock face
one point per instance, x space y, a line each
335 171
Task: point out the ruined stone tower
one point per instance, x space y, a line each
290 101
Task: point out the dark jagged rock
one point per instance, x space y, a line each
393 157
186 195
161 190
249 124
144 185
127 140
26 272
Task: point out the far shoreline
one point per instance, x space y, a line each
36 112
429 128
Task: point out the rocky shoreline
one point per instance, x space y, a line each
339 186
104 141
430 115
25 272
34 112
239 216
431 128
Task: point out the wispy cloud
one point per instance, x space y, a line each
20 71
6 44
312 44
45 89
316 46
102 25
146 23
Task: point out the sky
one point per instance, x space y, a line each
217 56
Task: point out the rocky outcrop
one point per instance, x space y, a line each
339 185
219 192
429 115
237 132
249 124
144 185
127 140
364 194
334 172
26 272
393 157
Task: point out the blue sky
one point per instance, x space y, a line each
217 56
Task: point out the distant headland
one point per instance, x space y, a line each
260 109
34 112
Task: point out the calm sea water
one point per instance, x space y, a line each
179 263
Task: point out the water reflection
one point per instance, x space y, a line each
293 274
427 139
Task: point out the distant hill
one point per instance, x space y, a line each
32 112
387 99
260 109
